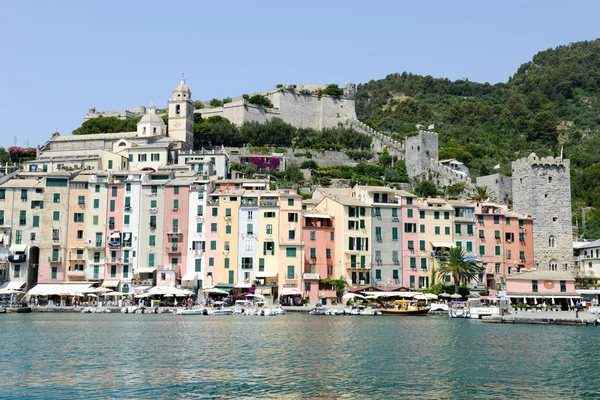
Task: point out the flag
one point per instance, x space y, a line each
432 126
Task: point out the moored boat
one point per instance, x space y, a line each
406 308
190 311
459 309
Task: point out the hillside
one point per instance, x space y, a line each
485 125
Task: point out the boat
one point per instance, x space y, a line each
95 310
129 310
486 306
406 308
190 311
2 310
459 309
222 312
18 308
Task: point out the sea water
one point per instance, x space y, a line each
68 355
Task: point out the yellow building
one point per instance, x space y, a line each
436 220
352 232
266 278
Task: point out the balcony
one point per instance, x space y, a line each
199 217
249 203
55 260
268 203
173 250
126 244
74 273
17 258
127 209
114 245
212 202
153 210
174 230
97 244
291 277
440 254
76 257
114 260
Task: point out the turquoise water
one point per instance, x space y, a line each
293 356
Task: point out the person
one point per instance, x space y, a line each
577 308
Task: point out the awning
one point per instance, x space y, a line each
242 285
442 244
115 235
49 289
291 292
146 270
111 282
265 274
12 285
190 276
18 248
317 216
472 259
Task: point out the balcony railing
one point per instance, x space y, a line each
268 203
55 260
73 273
173 249
17 258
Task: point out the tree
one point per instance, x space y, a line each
312 164
481 193
260 100
198 105
425 189
293 173
462 271
331 90
339 285
215 103
385 158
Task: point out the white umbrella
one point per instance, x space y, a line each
349 296
419 296
141 296
91 295
102 290
168 295
114 294
431 296
456 296
445 295
215 291
258 296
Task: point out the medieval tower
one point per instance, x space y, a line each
181 114
541 188
421 153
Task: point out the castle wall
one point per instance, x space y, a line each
542 189
498 185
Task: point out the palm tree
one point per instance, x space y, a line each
481 193
461 271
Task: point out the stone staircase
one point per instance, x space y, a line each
380 140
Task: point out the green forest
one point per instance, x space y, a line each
550 102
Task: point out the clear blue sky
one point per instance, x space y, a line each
59 58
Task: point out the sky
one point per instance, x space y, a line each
59 58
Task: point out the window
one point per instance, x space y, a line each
421 228
213 244
290 272
313 252
36 221
563 286
411 245
395 256
268 248
114 191
56 198
54 273
437 230
395 213
482 250
97 188
79 236
436 215
231 273
175 189
291 202
423 263
394 233
534 286
215 211
507 221
213 227
551 241
112 205
226 263
522 255
152 203
422 245
78 217
446 214
508 254
521 237
291 235
412 281
211 261
228 212
497 250
269 214
422 214
141 157
328 253
292 217
469 247
250 229
313 235
457 229
482 234
250 215
18 237
2 194
446 230
480 219
469 229
497 234
331 236
200 210
270 229
1 217
290 252
413 262
521 223
96 203
199 227
409 200
496 219
227 229
175 204
261 264
378 274
22 217
152 240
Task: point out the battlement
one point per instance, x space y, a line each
533 160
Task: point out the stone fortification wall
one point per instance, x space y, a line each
542 189
499 186
380 140
421 151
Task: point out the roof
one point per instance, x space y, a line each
376 189
335 191
94 136
20 183
404 193
182 87
316 215
349 201
151 116
595 243
180 181
451 160
542 275
461 203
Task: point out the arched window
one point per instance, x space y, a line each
551 241
177 109
553 266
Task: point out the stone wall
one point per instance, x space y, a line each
499 186
542 189
421 151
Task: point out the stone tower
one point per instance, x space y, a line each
421 152
181 114
542 189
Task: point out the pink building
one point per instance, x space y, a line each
319 256
410 238
538 287
176 230
504 243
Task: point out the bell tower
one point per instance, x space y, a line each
181 115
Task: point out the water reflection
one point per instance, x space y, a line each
294 356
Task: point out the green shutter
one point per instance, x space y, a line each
231 277
197 265
226 265
36 221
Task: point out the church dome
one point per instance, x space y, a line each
151 116
182 90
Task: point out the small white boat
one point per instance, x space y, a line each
190 311
222 312
129 310
459 309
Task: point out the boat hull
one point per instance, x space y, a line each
421 311
18 309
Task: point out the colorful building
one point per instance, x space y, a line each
319 255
